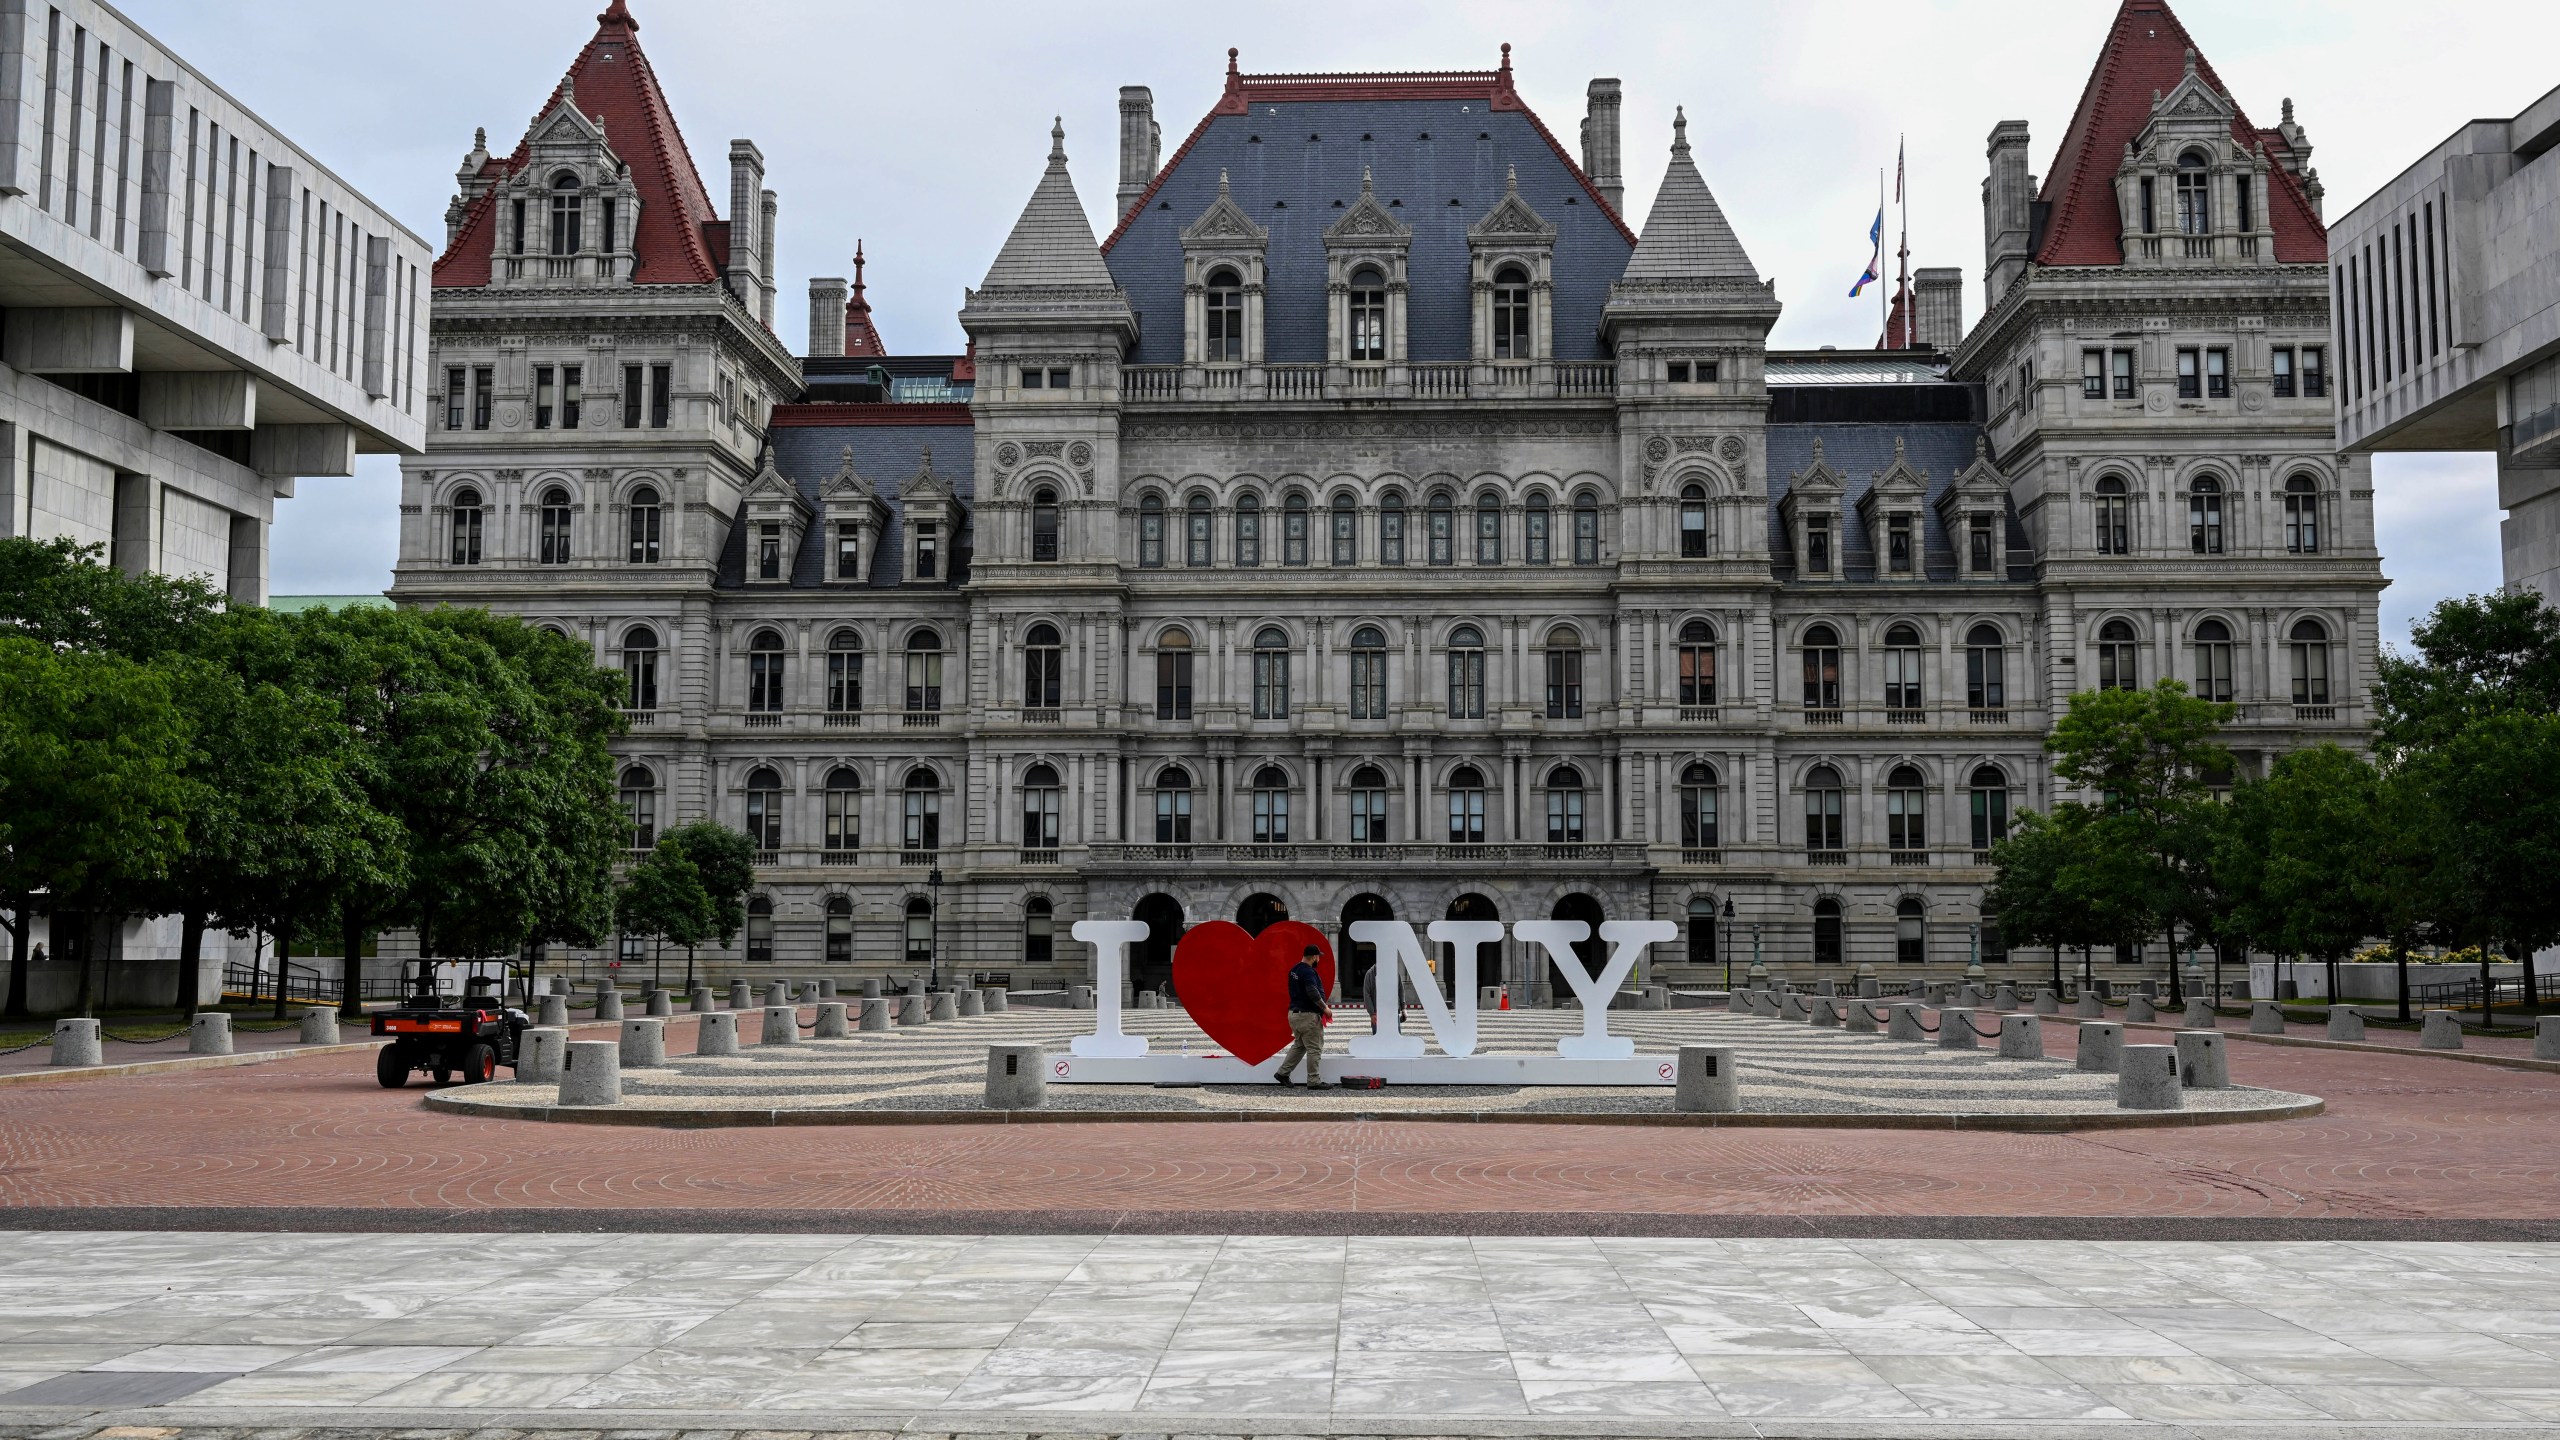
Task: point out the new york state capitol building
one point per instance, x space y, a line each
1377 523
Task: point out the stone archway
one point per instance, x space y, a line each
1358 958
1593 952
1260 911
1151 959
1470 906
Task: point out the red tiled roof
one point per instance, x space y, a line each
614 86
872 413
861 337
2146 52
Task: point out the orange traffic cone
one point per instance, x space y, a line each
1506 997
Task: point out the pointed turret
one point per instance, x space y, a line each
1687 237
860 336
1052 243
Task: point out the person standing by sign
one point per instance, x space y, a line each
1307 1016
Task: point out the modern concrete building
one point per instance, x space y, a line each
2446 289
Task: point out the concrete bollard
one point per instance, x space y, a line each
1826 1012
972 1003
1487 997
875 1012
1902 1022
538 1062
2150 989
2147 1079
808 993
2203 1061
2101 1047
1916 990
831 1024
717 1034
914 985
2440 1030
2047 1002
553 1011
1017 1077
2546 1037
2141 1010
2265 1018
2200 1015
2090 1006
1079 997
661 1004
591 1073
2021 1037
781 1025
912 1009
608 1003
871 987
1955 1029
1147 1000
2288 990
1859 1017
1652 997
992 996
2005 998
644 1044
76 1042
1708 1083
700 1000
209 1033
2346 1022
777 993
947 1008
1826 986
319 1026
740 996
1791 1006
826 988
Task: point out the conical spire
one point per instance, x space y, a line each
1687 237
1052 243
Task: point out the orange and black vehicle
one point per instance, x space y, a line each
442 1038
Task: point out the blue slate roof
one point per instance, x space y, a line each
1860 453
1294 166
886 455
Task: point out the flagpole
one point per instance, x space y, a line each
1884 314
1902 258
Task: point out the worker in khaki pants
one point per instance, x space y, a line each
1307 1016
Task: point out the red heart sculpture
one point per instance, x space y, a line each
1235 984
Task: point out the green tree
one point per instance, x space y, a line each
2051 885
60 594
2305 858
662 897
2491 794
726 861
2477 656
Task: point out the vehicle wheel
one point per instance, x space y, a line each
391 1067
479 1066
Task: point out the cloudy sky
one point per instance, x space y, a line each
920 129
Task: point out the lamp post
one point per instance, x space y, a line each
1728 944
1755 949
933 883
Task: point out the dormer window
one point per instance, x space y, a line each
928 564
1897 544
769 551
1978 550
1511 313
2195 209
1368 303
1817 544
1222 317
568 216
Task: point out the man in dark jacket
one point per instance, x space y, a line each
1307 1014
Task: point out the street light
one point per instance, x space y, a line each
933 882
1728 944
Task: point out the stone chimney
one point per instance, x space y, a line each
1600 143
746 208
765 228
826 316
2006 196
1141 142
1937 302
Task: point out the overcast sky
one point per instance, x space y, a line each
921 128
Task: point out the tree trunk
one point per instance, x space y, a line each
2400 963
282 940
2177 990
2488 987
190 962
18 978
351 970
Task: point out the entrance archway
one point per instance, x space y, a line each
1260 912
1593 952
1469 906
1359 957
1151 959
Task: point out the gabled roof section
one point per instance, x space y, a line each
1510 216
1225 220
2145 54
615 87
1052 243
1367 220
1687 237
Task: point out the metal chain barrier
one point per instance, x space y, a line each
107 1034
263 1027
1872 1016
26 1045
1925 1027
1991 1034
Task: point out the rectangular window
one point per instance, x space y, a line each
572 394
1033 379
1564 684
1817 544
2247 213
1368 817
544 397
1678 372
515 245
768 552
661 386
1346 536
484 391
2315 378
1173 684
1534 535
1898 546
2190 380
928 549
2124 374
1979 549
2280 369
1391 537
1368 684
2217 374
1059 379
848 551
2149 210
2093 374
456 393
630 397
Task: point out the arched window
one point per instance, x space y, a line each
1346 529
924 671
1564 806
645 526
1902 672
1199 538
1702 929
1910 933
2195 210
1466 673
1586 528
2310 663
1821 669
1391 528
568 216
1564 673
764 673
1990 808
2204 516
1293 528
1173 806
922 832
919 935
1697 663
1151 531
1173 674
1044 524
1368 673
1698 807
1271 673
2116 657
760 931
1511 313
468 518
2213 660
1040 808
1270 806
2115 531
843 799
1537 530
764 808
1488 528
640 805
1222 317
1826 931
1443 523
844 673
1248 529
839 930
1693 521
1906 809
1368 314
1039 931
1042 659
1822 808
1466 806
2302 515
1368 806
1986 684
552 541
640 668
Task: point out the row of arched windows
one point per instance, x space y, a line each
1906 810
915 930
1439 531
555 529
2210 651
2207 527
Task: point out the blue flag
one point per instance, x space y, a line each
1875 265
